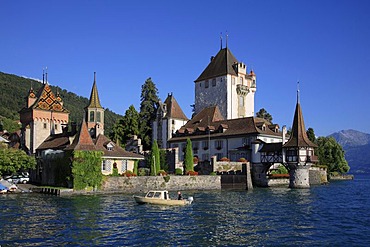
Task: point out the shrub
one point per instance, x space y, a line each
192 173
115 172
242 160
213 173
143 172
128 173
224 159
178 171
166 178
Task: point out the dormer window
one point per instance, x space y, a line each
110 146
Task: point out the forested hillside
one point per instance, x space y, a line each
14 89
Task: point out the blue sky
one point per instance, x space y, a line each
323 44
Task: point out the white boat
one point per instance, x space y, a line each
161 197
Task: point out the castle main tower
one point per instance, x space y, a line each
225 82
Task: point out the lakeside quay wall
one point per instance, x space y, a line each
171 183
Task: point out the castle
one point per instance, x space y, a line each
223 125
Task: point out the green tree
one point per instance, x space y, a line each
136 167
148 107
262 113
188 160
331 154
163 158
126 127
155 165
311 135
86 169
14 160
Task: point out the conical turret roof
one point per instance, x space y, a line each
299 136
94 96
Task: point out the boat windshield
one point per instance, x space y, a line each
157 194
150 194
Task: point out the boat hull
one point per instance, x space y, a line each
158 201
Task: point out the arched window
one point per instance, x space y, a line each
92 116
98 117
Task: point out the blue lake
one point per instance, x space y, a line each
337 214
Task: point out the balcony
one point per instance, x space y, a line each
242 89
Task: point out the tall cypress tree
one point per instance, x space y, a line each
155 165
148 107
188 160
126 127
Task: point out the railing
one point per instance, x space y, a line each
242 89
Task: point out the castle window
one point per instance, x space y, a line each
98 116
221 79
213 82
56 126
241 100
205 145
200 84
173 121
45 125
124 166
207 84
91 116
241 80
219 144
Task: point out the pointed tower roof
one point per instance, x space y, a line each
173 108
94 96
222 64
299 136
46 100
82 140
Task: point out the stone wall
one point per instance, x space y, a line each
144 183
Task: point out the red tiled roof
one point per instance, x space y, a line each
83 140
173 108
239 126
101 144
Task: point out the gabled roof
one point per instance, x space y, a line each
222 64
101 144
56 141
83 141
299 136
46 100
198 126
94 96
173 108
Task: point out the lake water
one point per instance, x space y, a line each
337 214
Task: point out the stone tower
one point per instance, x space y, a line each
299 152
94 113
43 115
225 82
170 118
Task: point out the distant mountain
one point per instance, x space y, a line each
356 145
14 89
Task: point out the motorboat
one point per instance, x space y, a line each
161 197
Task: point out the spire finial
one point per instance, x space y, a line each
94 76
298 92
43 76
46 75
221 39
227 37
